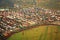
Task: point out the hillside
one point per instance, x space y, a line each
55 4
48 32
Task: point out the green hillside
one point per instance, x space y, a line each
40 33
54 4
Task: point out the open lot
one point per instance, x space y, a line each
48 32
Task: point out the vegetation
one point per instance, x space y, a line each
54 4
48 32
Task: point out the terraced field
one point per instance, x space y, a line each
48 32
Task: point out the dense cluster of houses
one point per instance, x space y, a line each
15 21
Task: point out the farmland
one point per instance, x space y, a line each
48 32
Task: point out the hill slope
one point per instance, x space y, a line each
40 33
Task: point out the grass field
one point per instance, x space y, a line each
48 32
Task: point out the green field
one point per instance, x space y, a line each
48 32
